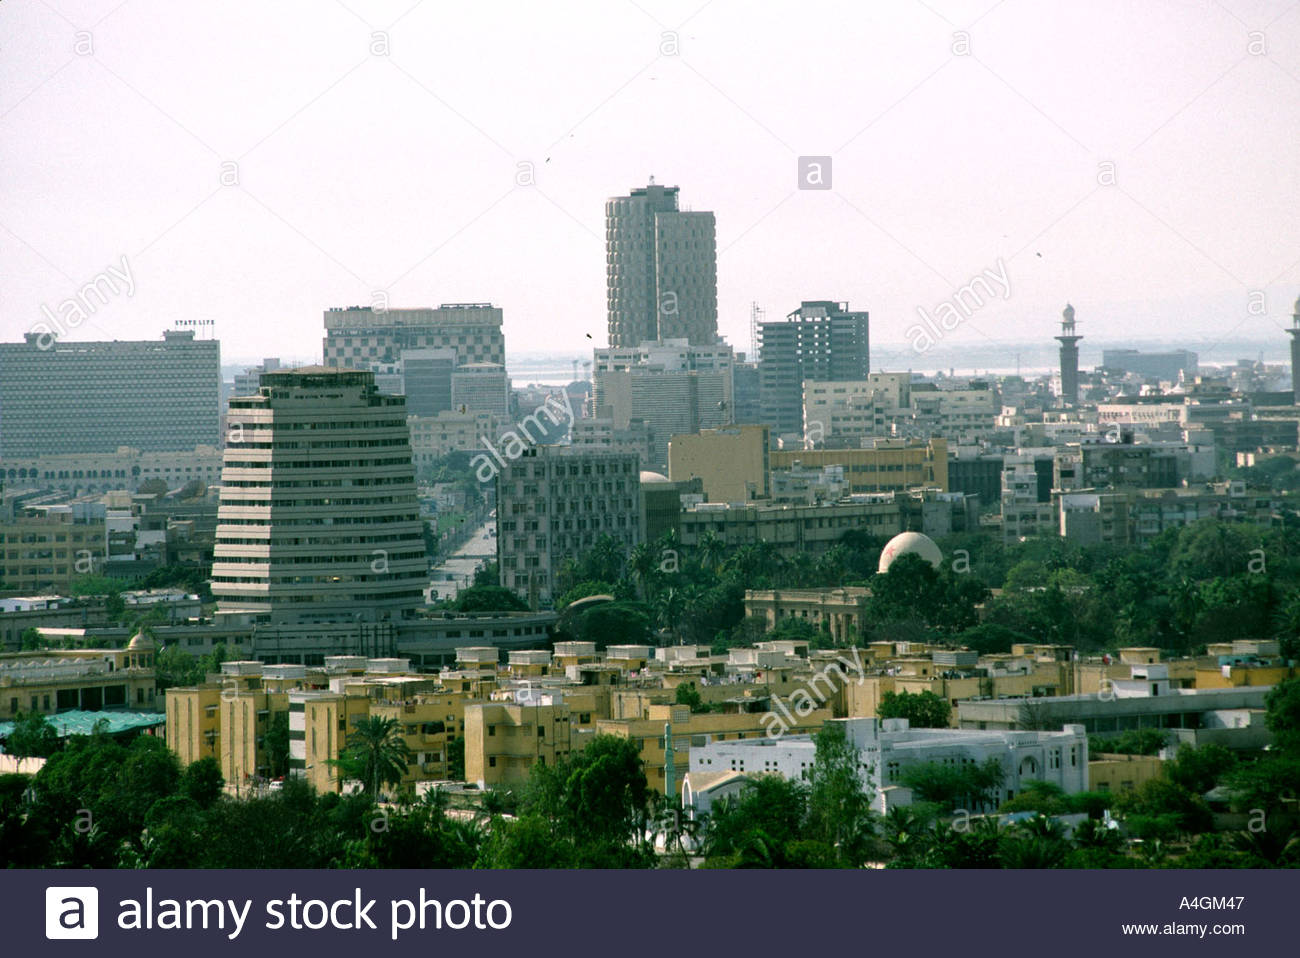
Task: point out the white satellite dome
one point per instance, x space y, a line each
916 543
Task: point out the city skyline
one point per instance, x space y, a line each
1143 184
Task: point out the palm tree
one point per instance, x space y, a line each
742 564
1273 846
908 834
669 606
711 549
644 563
377 754
833 565
1037 843
768 560
606 559
1096 834
799 571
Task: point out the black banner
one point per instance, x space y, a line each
648 913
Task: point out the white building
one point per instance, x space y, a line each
887 748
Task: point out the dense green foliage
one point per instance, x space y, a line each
1212 581
1138 741
921 709
488 598
33 737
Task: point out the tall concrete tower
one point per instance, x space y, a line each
318 521
1070 357
661 269
1295 350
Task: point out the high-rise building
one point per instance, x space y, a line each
746 408
554 503
246 383
318 520
481 387
75 398
675 387
1069 357
822 339
661 269
361 337
426 380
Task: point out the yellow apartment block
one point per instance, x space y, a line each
319 725
862 699
892 465
194 722
1089 678
587 705
1122 773
245 717
503 740
1238 676
228 718
428 726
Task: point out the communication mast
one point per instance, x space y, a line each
756 316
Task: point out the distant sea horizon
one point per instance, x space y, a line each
1030 359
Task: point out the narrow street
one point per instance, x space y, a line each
457 570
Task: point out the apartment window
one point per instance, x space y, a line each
492 761
492 730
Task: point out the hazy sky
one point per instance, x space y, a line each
377 148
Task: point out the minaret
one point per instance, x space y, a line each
1070 357
1295 351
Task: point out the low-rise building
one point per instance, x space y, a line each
1232 717
839 611
888 748
882 465
791 529
59 680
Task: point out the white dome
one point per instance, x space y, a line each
141 643
648 476
914 542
